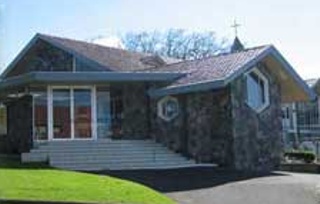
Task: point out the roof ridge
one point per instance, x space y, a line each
142 54
93 44
214 56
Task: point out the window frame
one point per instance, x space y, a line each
162 103
265 90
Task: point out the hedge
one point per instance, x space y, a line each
307 157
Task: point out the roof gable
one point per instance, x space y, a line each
41 56
214 68
95 56
218 71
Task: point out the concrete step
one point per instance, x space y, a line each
101 149
119 161
99 155
27 157
101 142
118 166
110 156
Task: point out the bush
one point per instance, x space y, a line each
307 157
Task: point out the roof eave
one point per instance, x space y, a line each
203 86
86 77
190 88
19 56
309 91
58 45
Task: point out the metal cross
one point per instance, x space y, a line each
235 25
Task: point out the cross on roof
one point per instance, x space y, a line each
235 25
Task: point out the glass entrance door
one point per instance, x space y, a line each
82 113
71 113
61 113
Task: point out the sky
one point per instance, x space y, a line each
292 26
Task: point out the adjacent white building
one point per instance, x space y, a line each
301 122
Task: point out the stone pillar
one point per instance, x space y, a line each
19 120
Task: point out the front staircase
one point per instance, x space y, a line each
107 155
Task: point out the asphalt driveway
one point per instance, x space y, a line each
218 186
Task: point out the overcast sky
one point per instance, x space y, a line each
292 26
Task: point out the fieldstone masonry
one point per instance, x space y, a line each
198 131
19 117
218 126
257 136
135 110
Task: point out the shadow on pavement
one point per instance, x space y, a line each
183 179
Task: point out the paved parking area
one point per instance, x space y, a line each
218 186
274 189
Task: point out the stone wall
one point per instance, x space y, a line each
170 133
209 127
3 144
135 110
19 120
257 136
202 130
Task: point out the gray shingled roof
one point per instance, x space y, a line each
208 69
114 59
212 68
189 76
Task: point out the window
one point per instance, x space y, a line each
257 90
168 108
103 112
40 114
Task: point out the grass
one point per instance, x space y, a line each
38 182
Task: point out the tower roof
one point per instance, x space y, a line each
236 45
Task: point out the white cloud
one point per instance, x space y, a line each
111 41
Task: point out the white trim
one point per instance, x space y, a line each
265 86
72 112
74 64
50 113
94 112
294 117
33 118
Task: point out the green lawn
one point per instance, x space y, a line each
34 182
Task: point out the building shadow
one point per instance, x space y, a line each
184 179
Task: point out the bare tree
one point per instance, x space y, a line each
176 43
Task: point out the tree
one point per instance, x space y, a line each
175 43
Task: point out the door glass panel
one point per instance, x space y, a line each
61 114
40 114
82 113
103 113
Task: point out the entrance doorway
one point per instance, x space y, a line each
71 113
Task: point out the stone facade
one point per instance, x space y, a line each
197 131
19 116
257 136
135 110
209 126
219 127
170 133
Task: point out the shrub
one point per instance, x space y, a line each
307 157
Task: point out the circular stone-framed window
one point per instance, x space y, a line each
168 108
